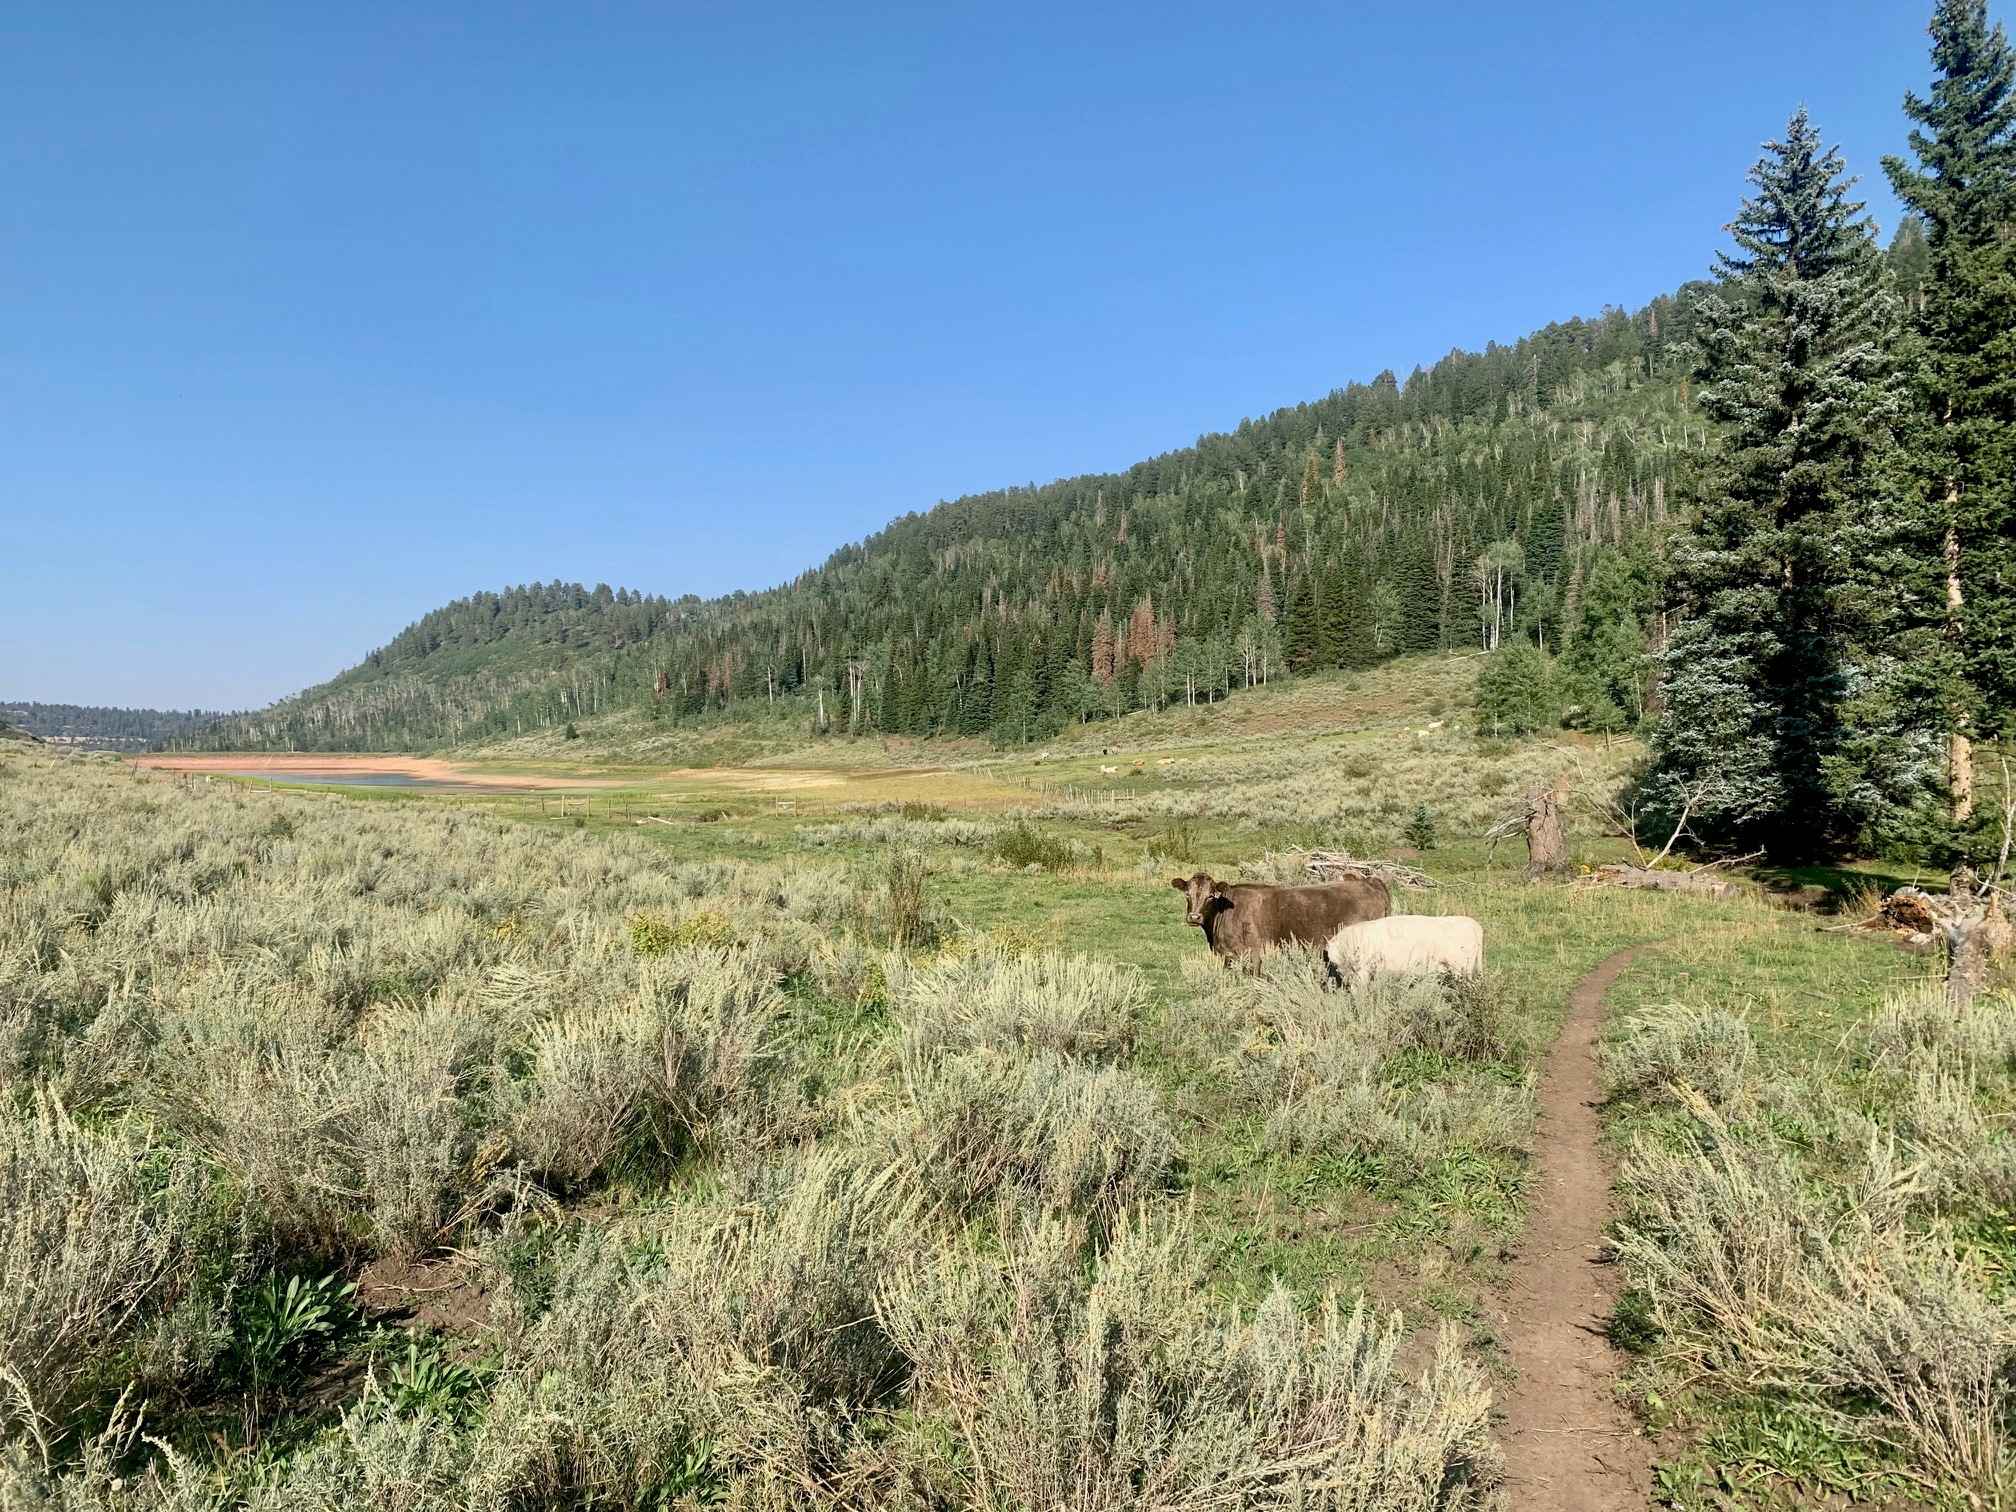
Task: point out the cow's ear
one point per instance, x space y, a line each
1218 892
1181 884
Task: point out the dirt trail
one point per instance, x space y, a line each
1569 1444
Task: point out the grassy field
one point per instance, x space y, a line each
887 1139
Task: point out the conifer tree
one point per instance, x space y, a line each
1964 190
1794 688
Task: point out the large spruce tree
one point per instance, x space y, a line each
1794 681
1964 189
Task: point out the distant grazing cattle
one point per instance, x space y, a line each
1406 944
1110 771
1245 919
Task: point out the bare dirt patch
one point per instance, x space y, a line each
852 784
444 1295
1570 1444
279 766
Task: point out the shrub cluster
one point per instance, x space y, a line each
1410 1073
1786 1240
774 1193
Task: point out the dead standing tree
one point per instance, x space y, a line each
1968 919
1974 943
1539 818
1982 935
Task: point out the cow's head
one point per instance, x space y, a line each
1204 895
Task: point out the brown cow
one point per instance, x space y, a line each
1245 919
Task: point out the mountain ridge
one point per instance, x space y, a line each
1333 533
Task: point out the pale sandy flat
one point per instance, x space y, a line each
851 783
430 768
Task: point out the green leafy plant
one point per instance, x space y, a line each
281 1324
696 1481
654 935
426 1381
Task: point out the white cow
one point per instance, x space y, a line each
1406 943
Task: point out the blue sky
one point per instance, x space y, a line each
315 317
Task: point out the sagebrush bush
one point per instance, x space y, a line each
982 1123
1123 1386
1829 1293
1980 1038
587 1091
1465 1016
902 829
1302 1033
359 1141
1665 1052
751 1331
1408 1131
1042 1000
93 1246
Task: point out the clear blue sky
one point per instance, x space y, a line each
313 317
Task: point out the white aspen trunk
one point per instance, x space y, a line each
1959 749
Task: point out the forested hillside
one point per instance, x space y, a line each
104 729
1512 492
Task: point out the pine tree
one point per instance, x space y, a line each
1964 190
1298 627
1793 720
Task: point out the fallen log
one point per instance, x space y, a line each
1703 884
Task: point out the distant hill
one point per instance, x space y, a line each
1473 500
104 729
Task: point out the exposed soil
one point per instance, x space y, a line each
1570 1445
442 1295
431 768
279 765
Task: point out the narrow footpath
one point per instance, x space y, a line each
1570 1445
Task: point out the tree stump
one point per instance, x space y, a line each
1974 945
1546 837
